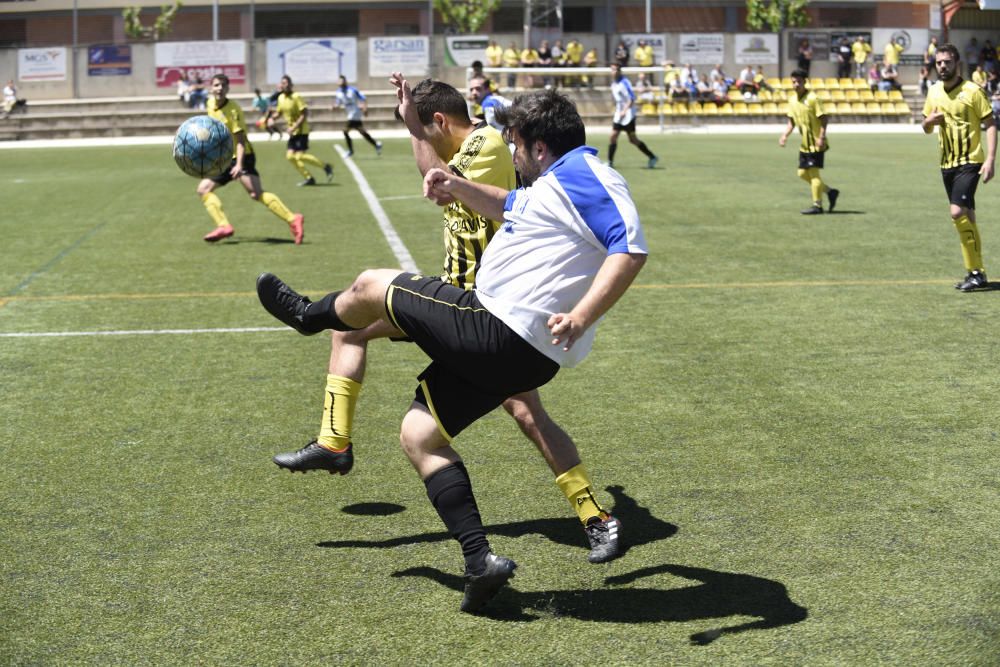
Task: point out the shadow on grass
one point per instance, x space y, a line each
718 595
845 212
639 527
269 240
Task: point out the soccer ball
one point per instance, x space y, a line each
203 147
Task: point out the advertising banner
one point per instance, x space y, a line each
410 55
755 49
657 40
316 60
705 48
461 51
819 42
47 64
109 60
177 60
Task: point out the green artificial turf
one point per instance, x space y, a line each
793 416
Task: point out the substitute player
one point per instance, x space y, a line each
959 109
624 119
295 112
243 167
355 105
805 112
443 137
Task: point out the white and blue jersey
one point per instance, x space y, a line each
555 237
624 96
350 98
490 104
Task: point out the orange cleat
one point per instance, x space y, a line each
219 233
296 226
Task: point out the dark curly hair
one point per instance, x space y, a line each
544 115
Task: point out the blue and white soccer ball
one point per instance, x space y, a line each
203 147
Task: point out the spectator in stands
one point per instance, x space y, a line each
889 78
558 54
644 90
890 54
805 56
677 90
761 80
989 57
979 76
545 60
573 58
644 57
972 55
993 90
511 58
494 54
859 55
590 60
529 58
197 94
716 74
669 73
745 83
621 54
925 79
183 91
929 53
844 57
720 91
874 77
688 73
10 101
705 93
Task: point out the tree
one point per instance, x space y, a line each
776 15
466 16
161 26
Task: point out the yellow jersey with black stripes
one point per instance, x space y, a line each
483 158
965 107
292 107
231 115
806 114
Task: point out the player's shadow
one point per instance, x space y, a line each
845 212
717 595
269 240
639 527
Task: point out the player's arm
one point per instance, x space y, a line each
423 151
240 138
821 139
443 187
612 280
298 122
788 130
932 118
986 172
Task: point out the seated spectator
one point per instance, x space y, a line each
745 83
705 93
545 60
760 79
720 91
644 91
874 76
677 90
529 58
183 91
716 74
511 58
993 90
688 72
889 78
197 95
10 99
979 75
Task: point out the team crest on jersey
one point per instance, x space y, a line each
471 153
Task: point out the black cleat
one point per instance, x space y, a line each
308 181
973 281
315 457
328 170
832 196
603 538
284 303
480 589
813 210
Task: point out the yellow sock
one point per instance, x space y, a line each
968 233
276 206
214 207
575 485
338 412
311 159
299 167
817 186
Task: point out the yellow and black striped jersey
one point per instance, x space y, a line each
483 158
231 115
291 107
806 116
965 107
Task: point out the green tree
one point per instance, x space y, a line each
466 16
776 15
161 26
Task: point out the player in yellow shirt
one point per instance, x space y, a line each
243 167
296 114
805 111
959 109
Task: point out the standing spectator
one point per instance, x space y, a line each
804 56
890 55
844 56
621 54
545 60
929 53
494 54
805 111
972 55
511 58
958 109
925 79
573 58
988 58
355 105
590 60
558 54
859 54
644 57
529 58
993 90
624 118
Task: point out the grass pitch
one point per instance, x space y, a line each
793 417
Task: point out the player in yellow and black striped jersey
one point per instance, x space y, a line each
805 111
243 167
959 109
443 136
295 111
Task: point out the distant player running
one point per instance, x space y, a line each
243 167
624 119
805 112
958 109
352 101
296 113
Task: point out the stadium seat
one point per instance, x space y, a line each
860 83
756 109
770 107
838 96
783 108
741 108
774 83
786 83
831 83
902 107
648 109
852 96
681 108
817 84
727 108
846 83
710 109
858 107
888 109
844 108
866 95
823 94
881 96
764 96
895 95
873 108
666 108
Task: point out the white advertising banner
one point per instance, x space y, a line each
756 48
317 60
463 50
704 48
177 60
657 40
42 64
410 55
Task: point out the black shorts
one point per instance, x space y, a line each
249 169
298 143
477 361
960 183
628 127
811 160
354 125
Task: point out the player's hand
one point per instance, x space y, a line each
565 330
437 186
236 171
935 118
986 171
782 140
820 142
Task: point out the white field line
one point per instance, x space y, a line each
142 332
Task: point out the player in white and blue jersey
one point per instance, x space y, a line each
624 119
488 102
353 101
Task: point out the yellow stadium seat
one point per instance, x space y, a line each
727 109
846 83
831 82
860 83
741 108
902 107
866 95
858 107
838 96
666 108
786 83
783 108
648 109
881 96
774 83
873 108
710 109
764 96
823 94
681 108
695 107
843 107
756 109
888 109
817 84
852 96
895 95
780 96
770 107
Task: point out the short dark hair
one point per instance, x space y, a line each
545 115
431 97
949 48
221 77
800 74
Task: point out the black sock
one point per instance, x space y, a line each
323 315
611 152
369 139
642 146
350 144
450 491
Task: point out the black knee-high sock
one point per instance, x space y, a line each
350 143
642 146
368 137
323 315
611 152
450 491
